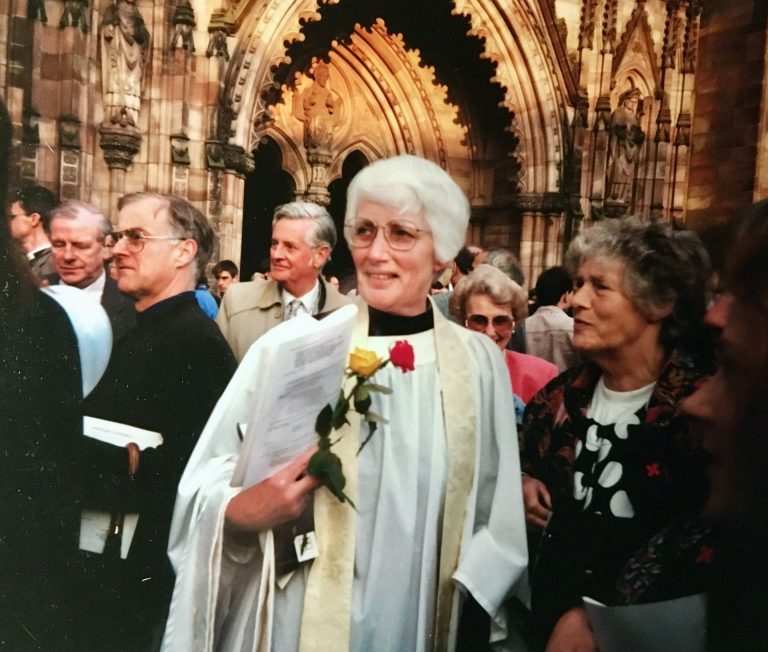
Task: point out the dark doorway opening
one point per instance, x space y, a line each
266 187
341 264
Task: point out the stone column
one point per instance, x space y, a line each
120 145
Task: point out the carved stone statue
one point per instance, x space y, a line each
217 45
75 13
626 139
318 107
183 26
36 10
124 50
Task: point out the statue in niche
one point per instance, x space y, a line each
75 13
184 24
36 10
124 49
217 45
625 141
319 108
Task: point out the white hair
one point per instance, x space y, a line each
411 184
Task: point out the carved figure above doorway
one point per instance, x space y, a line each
319 108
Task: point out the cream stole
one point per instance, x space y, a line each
325 623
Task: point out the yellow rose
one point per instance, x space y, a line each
364 362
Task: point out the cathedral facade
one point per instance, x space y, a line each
548 113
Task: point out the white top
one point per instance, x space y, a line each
609 406
401 475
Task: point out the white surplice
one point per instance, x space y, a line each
219 600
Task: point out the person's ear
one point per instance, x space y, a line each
438 267
34 219
320 256
186 251
659 313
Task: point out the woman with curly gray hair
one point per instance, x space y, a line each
607 459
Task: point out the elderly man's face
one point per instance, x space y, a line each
292 261
78 250
146 270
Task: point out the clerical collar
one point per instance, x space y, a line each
384 323
165 304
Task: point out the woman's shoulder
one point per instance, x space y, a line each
534 363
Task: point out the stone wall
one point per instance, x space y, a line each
728 145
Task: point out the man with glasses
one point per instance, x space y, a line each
165 376
303 236
79 234
28 216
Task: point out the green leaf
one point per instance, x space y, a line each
339 417
372 416
371 429
382 389
326 467
323 422
362 406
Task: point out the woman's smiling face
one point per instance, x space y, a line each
393 281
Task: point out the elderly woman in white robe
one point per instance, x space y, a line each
437 489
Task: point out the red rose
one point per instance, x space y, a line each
401 355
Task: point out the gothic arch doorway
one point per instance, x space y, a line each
341 264
266 187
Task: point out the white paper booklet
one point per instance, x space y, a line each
677 625
300 366
120 434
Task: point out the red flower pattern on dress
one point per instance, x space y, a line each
652 470
402 356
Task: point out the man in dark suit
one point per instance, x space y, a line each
29 210
78 232
165 376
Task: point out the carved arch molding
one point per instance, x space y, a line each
389 98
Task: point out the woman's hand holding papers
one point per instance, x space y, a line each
275 500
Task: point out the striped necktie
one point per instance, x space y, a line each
294 307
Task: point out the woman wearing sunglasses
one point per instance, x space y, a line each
486 301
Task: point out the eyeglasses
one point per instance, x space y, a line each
135 239
399 235
500 323
13 216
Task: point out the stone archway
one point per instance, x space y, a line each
266 187
397 99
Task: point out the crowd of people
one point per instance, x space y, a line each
600 438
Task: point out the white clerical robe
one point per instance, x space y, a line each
226 596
